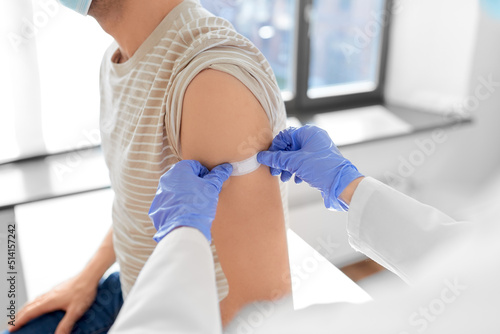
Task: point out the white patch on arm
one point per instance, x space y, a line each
245 167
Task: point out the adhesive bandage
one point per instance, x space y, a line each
245 167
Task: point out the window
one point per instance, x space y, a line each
270 25
326 55
345 44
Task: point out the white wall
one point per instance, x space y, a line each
432 49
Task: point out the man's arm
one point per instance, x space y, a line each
222 121
73 296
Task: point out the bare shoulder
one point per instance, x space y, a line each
222 121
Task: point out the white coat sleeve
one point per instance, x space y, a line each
175 292
397 231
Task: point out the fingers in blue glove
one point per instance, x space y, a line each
187 196
219 175
279 159
197 168
285 141
286 176
275 171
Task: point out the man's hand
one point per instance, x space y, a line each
310 154
187 196
74 296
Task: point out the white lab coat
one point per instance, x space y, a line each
175 292
397 231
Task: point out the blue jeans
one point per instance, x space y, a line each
98 319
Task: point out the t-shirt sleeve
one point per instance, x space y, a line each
257 78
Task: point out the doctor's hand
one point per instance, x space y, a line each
310 154
187 196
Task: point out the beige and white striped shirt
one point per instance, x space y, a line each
141 105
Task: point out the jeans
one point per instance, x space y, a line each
98 319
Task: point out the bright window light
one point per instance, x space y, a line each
49 85
346 40
270 25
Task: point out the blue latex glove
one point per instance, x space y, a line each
310 154
187 196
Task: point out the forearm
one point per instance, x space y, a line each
102 259
348 192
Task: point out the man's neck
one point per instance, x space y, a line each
136 21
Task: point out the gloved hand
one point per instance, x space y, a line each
187 196
311 154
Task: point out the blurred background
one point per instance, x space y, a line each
409 89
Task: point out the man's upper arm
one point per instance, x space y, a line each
222 121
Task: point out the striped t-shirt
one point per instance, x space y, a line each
141 106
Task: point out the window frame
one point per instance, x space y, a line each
301 104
